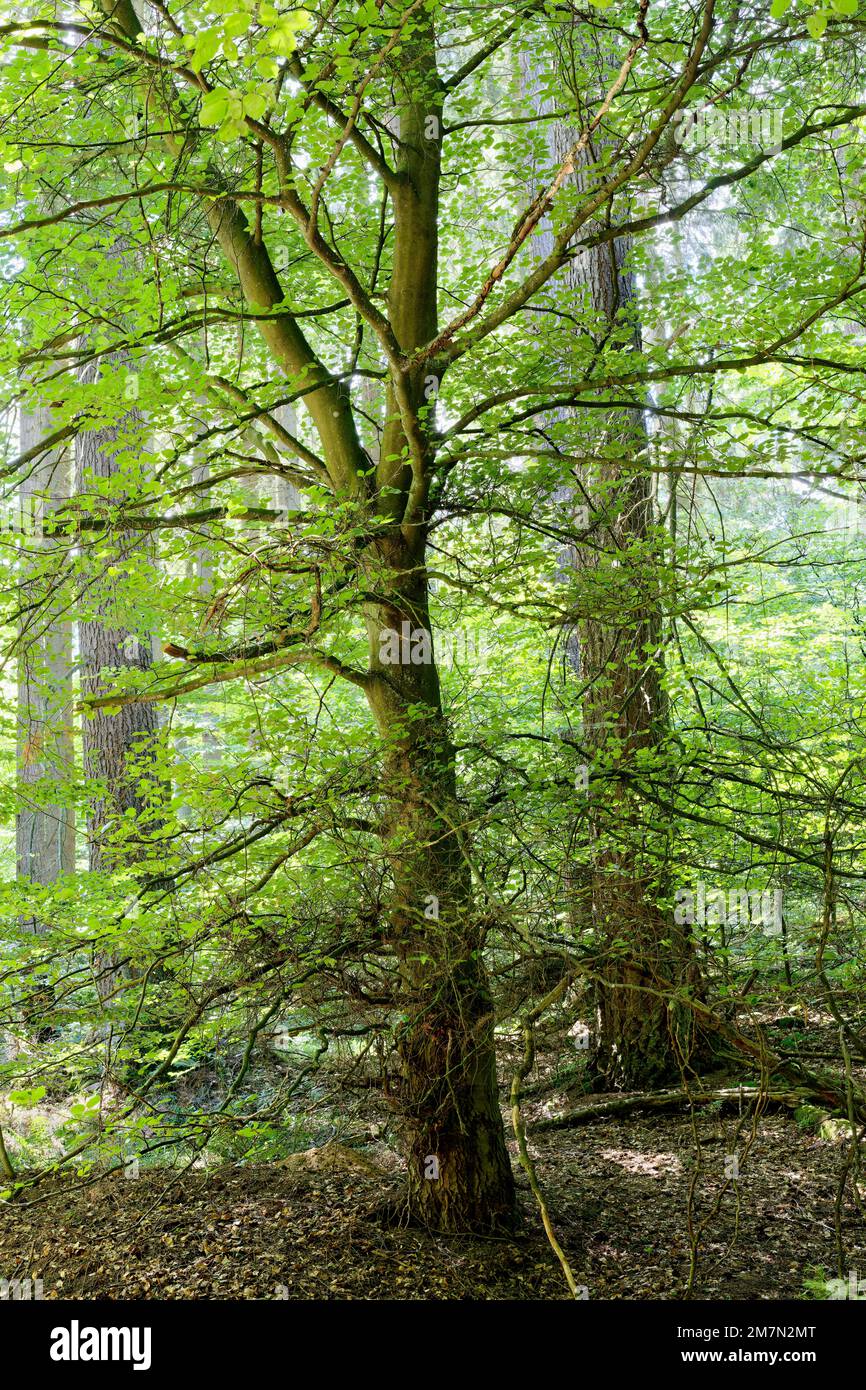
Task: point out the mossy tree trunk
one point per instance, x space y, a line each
459 1173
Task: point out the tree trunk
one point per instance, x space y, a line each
459 1173
615 644
454 1125
118 748
643 1038
45 829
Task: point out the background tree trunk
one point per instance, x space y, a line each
118 748
616 648
45 829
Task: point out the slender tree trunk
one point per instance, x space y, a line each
45 828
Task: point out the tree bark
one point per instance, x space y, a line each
614 646
459 1171
118 748
45 828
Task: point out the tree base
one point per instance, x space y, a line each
398 1212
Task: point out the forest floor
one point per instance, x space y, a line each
617 1189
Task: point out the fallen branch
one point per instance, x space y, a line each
816 1087
668 1100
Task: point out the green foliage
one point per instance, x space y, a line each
192 238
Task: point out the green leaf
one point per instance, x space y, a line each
780 8
207 46
816 24
283 35
237 25
255 105
214 107
282 42
27 1098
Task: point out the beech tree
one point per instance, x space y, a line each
118 747
325 213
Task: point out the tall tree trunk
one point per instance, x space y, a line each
642 1037
458 1166
459 1172
45 828
118 748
